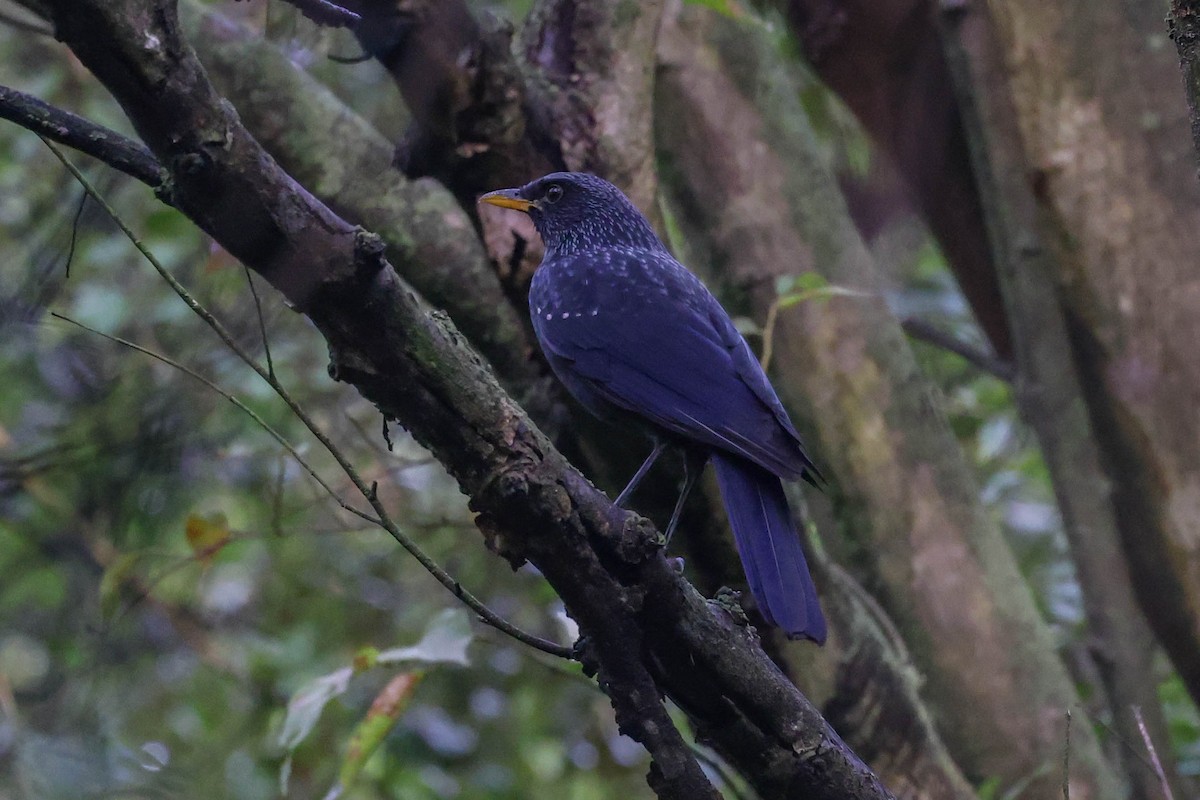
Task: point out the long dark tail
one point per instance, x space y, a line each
767 541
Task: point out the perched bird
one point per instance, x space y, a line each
636 337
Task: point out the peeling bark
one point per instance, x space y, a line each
594 80
875 700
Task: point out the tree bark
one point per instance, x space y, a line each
884 59
1050 393
648 631
595 75
1115 179
754 204
1184 22
346 163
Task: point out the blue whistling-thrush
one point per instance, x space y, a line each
635 336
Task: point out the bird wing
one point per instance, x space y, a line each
654 342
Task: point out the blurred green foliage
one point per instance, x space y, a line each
135 664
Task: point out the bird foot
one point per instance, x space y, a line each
583 652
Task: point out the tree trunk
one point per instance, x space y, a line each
648 634
1096 90
1050 394
755 205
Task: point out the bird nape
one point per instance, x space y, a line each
637 338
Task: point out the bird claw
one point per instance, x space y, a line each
583 652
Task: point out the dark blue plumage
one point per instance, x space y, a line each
636 336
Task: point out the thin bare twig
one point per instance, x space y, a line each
262 423
262 325
768 335
74 234
368 492
1158 767
931 334
26 25
1067 760
323 12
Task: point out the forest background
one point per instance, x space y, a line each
961 234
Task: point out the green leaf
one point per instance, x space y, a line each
821 293
445 641
113 582
206 536
989 789
786 285
810 282
306 705
728 8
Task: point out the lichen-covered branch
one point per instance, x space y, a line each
118 151
345 162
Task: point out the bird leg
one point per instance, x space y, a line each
693 465
641 473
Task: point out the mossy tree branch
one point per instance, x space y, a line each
647 631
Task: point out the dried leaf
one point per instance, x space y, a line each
113 582
383 715
207 535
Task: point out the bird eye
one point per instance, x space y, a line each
554 193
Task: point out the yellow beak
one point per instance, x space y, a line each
507 198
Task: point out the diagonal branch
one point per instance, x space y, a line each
927 332
119 152
383 519
325 13
648 631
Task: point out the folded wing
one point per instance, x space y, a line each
675 359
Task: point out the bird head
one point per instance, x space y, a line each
575 211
